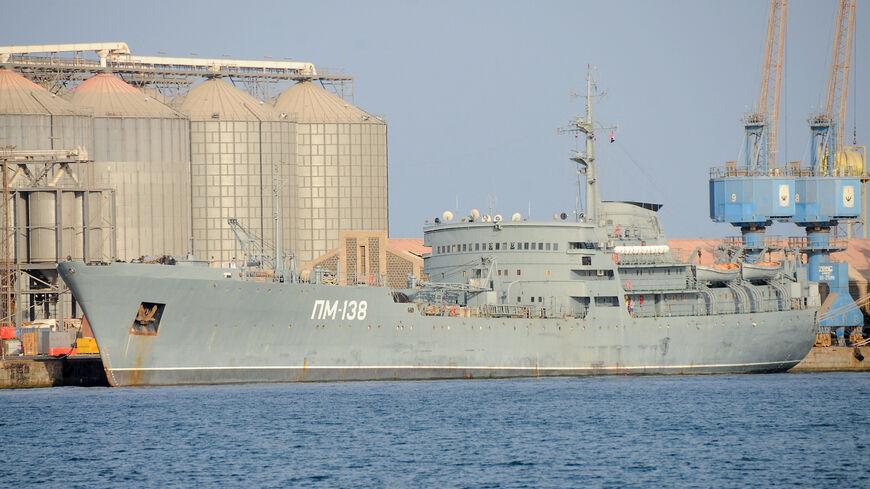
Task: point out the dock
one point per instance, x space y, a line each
47 371
835 359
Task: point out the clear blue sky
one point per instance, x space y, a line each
473 91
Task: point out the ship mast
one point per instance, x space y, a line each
592 199
586 159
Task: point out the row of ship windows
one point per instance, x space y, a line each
514 246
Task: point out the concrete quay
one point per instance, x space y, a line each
835 359
44 371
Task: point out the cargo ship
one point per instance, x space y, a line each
600 293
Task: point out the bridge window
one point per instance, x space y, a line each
555 246
476 246
580 245
496 246
525 246
463 247
586 260
518 271
548 246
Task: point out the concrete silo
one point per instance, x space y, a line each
341 168
237 143
141 149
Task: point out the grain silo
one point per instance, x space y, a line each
141 149
341 168
52 212
237 143
32 118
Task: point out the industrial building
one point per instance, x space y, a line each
114 156
369 257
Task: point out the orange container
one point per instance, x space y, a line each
7 332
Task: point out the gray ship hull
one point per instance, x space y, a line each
217 328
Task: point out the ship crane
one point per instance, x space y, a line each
254 255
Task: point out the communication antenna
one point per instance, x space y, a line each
492 203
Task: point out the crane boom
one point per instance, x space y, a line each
771 78
841 65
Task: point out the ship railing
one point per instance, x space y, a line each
680 255
373 279
499 310
770 242
734 171
506 310
833 243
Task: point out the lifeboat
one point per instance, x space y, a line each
762 270
724 272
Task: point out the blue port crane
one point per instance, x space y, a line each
752 192
828 189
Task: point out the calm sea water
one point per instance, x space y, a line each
788 430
